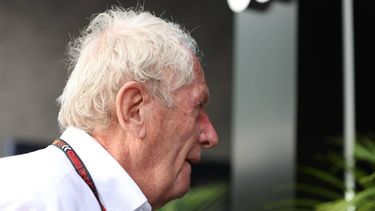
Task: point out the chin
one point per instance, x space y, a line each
183 182
176 194
183 190
181 185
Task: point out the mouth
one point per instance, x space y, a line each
193 161
194 158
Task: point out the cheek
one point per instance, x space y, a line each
179 133
185 125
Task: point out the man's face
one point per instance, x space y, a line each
176 136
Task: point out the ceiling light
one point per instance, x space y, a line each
238 5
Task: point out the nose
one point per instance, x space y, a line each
208 137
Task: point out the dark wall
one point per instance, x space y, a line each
319 76
319 108
320 72
320 86
364 37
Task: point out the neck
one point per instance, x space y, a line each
113 141
127 151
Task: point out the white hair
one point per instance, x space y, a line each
118 46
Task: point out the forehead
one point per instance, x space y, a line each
198 72
198 88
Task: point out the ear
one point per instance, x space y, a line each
131 100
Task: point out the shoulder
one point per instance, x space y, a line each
34 169
41 180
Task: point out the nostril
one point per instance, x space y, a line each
207 144
208 139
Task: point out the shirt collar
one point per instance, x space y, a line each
116 188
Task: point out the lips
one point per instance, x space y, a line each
193 160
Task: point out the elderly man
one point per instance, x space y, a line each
133 118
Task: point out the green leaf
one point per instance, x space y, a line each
368 143
292 203
364 154
364 196
319 191
323 176
339 205
207 197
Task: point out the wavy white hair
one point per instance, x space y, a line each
118 46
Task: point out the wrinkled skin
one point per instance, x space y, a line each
157 145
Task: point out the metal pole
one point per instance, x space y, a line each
349 98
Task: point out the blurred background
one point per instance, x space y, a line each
274 70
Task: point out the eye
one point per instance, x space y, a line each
202 105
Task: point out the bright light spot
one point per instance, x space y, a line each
263 1
238 5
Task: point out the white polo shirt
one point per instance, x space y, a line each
46 180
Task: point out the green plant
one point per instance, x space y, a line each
364 170
212 197
328 195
